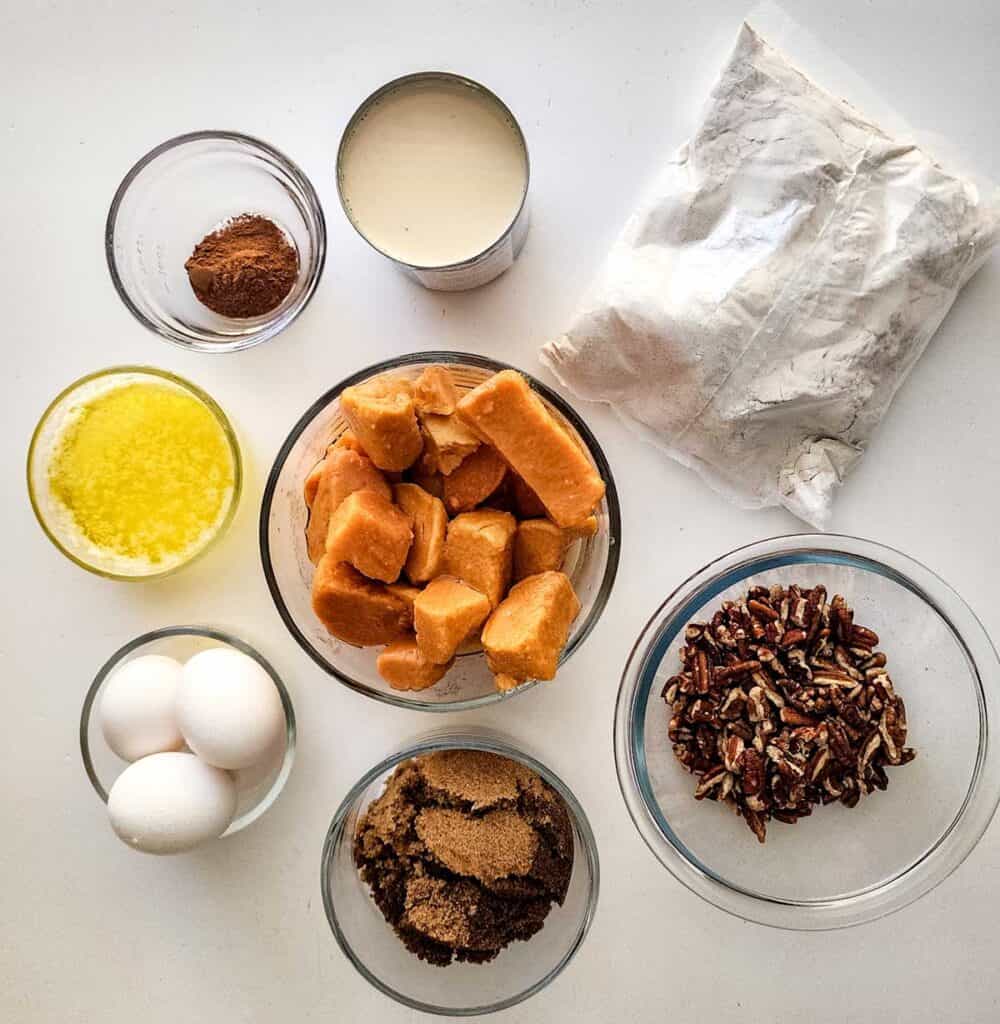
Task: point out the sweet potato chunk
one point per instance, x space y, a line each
524 637
383 417
434 392
355 609
431 482
479 550
475 479
372 534
348 439
405 591
526 503
504 683
311 486
588 528
430 523
447 442
505 412
344 472
404 666
445 613
539 546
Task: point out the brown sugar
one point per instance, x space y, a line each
465 852
498 844
244 269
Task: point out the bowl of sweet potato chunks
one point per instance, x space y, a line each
440 531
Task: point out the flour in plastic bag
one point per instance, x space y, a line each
761 308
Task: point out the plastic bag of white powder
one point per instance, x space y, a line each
759 311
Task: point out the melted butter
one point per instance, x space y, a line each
434 172
145 471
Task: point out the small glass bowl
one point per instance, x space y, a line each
183 190
591 563
56 521
257 786
839 867
460 989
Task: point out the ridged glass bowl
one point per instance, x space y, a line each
591 563
839 866
460 989
257 787
183 190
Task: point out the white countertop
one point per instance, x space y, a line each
92 932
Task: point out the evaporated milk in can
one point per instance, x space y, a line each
433 172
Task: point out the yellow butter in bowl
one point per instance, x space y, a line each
133 472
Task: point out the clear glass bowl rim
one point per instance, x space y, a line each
465 740
917 879
213 407
481 362
268 329
210 633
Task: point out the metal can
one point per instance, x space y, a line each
500 253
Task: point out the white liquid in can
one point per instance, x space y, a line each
434 172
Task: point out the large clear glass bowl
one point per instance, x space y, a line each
180 192
257 787
591 563
840 866
460 989
56 521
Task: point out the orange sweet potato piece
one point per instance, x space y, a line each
405 667
383 417
344 472
524 637
479 550
406 591
430 523
372 534
445 613
539 546
505 412
526 503
447 442
348 439
475 479
434 392
311 486
354 608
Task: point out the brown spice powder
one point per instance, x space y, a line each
245 269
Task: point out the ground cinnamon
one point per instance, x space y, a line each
244 269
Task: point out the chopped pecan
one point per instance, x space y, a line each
782 703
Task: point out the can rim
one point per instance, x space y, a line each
390 86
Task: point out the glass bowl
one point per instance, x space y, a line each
57 522
460 989
839 867
257 786
591 563
183 190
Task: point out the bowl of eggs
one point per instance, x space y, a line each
188 735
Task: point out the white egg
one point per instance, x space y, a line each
137 713
166 803
228 708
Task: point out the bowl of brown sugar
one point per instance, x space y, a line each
215 241
460 875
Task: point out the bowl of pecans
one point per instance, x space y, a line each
801 732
